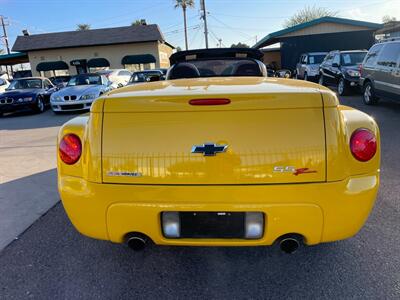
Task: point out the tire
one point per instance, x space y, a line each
343 88
305 77
369 96
321 80
40 105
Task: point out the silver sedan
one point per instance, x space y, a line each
79 93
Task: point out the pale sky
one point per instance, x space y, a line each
232 21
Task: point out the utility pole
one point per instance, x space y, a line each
5 40
204 17
5 33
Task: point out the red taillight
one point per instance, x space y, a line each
363 144
70 149
217 101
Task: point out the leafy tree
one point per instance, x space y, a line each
240 45
178 49
184 4
139 22
387 19
307 14
81 27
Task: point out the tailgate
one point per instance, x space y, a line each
270 139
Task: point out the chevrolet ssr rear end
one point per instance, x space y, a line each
219 161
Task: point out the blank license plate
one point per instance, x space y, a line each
212 224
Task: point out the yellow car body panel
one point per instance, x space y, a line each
271 127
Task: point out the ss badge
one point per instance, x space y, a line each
284 169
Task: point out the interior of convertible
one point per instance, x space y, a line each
216 68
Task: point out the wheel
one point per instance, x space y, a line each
305 77
343 88
369 96
321 80
40 107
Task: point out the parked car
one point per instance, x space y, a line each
3 84
219 155
342 68
60 81
283 73
146 76
27 93
163 71
308 66
118 77
380 72
80 92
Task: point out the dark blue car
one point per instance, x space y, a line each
31 93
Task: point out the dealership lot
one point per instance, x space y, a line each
52 260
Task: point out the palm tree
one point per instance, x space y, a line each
184 4
81 27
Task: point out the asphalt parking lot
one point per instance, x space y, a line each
50 260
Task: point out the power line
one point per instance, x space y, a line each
195 35
231 28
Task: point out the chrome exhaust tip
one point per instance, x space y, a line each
289 245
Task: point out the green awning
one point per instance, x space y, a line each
51 65
13 58
138 59
98 63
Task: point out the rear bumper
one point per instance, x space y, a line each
321 212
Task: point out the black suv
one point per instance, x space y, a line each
380 71
341 68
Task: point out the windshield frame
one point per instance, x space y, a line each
234 60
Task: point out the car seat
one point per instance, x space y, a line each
184 70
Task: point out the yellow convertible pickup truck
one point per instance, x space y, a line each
218 154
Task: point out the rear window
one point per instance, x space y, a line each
316 59
372 55
389 55
124 73
353 58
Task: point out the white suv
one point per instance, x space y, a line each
118 77
308 66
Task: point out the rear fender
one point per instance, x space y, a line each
340 123
88 128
